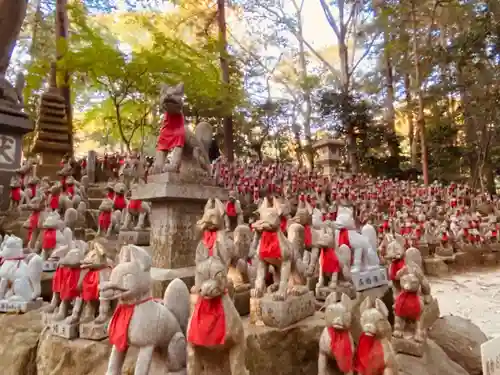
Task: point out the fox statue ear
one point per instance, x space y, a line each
381 307
366 304
179 89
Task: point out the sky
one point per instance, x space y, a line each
317 31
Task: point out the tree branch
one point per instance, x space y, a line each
329 18
367 51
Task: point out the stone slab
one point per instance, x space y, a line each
282 314
161 187
370 278
407 345
464 259
63 329
133 237
11 307
93 331
162 277
50 265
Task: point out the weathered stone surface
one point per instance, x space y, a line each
58 356
461 341
433 362
18 343
162 277
293 350
176 209
290 311
435 267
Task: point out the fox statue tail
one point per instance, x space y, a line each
177 300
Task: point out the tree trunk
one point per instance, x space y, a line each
224 65
411 123
61 36
420 98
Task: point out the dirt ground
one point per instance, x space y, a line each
474 295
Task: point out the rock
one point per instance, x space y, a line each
59 356
461 340
18 343
434 362
282 352
435 267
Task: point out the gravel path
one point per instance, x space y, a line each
474 295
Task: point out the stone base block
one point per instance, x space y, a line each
430 314
50 265
464 259
370 278
94 331
408 346
46 318
281 314
242 301
448 259
19 307
323 293
495 247
435 267
132 237
489 259
424 249
63 329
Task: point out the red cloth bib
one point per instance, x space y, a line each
54 201
33 189
230 209
135 204
369 358
119 202
407 305
344 238
49 239
394 268
207 326
329 261
111 195
172 133
90 286
69 284
70 190
269 246
118 327
104 220
283 224
340 345
33 220
209 238
15 193
58 280
307 236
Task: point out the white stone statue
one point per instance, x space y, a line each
55 235
365 256
20 275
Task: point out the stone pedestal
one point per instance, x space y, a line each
13 125
178 201
134 237
93 331
282 314
329 153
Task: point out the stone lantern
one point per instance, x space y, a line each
329 154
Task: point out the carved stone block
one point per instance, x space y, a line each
324 292
424 249
409 346
93 331
46 318
435 267
20 307
464 259
65 330
368 279
489 259
281 314
50 265
132 237
176 208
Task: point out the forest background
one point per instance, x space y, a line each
410 85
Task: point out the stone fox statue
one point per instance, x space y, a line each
175 136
